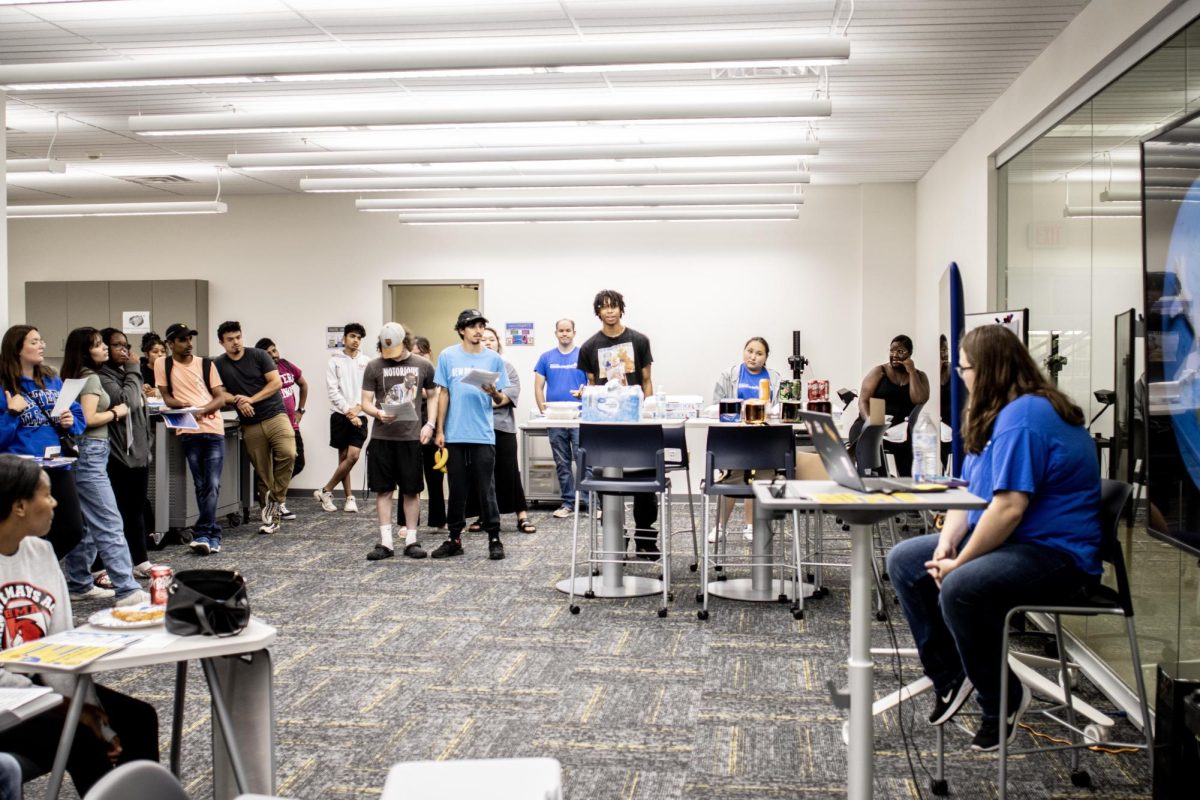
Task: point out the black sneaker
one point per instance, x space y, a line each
987 738
947 704
380 553
447 548
414 550
495 550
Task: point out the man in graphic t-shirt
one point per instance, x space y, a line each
557 378
464 427
395 391
622 355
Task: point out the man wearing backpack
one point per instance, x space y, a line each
185 381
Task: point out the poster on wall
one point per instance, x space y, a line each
333 337
135 322
1016 320
518 334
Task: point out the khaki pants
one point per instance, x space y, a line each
271 446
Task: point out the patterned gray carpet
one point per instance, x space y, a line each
467 658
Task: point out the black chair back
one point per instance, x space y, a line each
747 447
675 439
1113 497
868 452
625 446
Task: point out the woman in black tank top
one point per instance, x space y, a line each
902 387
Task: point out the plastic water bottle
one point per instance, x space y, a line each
926 449
660 403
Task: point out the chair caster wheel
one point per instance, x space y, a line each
797 614
722 577
670 597
718 568
783 598
1082 779
885 576
589 594
881 615
809 577
940 788
699 597
846 527
574 609
595 573
821 592
662 612
692 567
702 614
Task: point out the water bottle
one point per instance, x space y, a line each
660 403
926 449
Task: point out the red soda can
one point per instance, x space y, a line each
160 581
824 391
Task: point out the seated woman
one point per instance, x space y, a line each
1037 541
741 381
902 387
114 728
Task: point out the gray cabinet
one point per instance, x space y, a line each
57 307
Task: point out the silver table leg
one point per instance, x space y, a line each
82 684
223 719
860 666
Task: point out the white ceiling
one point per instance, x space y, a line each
920 72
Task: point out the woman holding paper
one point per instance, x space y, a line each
31 391
113 728
103 529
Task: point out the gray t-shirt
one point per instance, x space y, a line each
503 418
92 386
247 376
398 384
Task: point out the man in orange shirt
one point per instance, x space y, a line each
185 381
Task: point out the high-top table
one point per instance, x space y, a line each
860 511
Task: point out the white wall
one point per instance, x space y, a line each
953 216
288 267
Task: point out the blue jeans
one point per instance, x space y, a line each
564 445
10 778
205 456
958 628
103 529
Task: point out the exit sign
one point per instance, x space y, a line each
1045 235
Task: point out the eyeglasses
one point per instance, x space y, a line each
119 346
961 369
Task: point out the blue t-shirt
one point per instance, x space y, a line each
31 432
1032 450
562 374
747 388
469 420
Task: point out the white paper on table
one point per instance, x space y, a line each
478 377
16 697
66 395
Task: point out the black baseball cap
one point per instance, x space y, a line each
469 316
179 330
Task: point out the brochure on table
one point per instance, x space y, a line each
68 650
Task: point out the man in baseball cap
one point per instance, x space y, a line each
468 317
179 330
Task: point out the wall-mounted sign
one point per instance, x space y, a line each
135 322
518 334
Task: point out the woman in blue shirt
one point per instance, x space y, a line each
1037 542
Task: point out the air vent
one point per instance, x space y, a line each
155 180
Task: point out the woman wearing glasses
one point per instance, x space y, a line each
1036 543
902 387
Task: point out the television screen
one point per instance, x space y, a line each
1167 397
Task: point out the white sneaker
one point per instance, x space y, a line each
325 499
748 533
134 599
712 536
94 593
562 513
269 509
270 527
285 512
142 570
351 506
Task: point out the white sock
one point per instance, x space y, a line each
385 536
410 536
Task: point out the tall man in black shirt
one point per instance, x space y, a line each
252 385
622 355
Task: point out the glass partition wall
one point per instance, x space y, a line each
1071 251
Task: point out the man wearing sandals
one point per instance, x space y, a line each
395 389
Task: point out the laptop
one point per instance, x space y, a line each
829 444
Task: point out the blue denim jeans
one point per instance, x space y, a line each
958 628
564 445
10 778
205 454
103 529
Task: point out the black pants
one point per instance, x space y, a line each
510 495
36 739
298 464
130 487
435 481
472 465
66 530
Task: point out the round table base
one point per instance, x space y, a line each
631 586
742 589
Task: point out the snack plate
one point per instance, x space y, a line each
105 619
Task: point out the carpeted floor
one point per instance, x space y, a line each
467 658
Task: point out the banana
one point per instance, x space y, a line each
440 458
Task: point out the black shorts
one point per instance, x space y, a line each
343 434
394 465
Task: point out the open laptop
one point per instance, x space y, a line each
836 458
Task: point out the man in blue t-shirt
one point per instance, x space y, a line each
464 427
557 378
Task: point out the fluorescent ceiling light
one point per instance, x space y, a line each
601 215
14 165
480 201
1121 196
545 181
1103 211
470 112
366 159
115 209
492 58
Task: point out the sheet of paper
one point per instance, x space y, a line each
478 377
14 698
67 395
184 422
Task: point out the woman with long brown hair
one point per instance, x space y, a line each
1037 542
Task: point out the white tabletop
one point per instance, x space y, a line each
814 495
545 423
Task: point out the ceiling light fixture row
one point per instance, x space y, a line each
756 214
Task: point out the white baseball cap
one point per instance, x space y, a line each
391 336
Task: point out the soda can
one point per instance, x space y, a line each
160 581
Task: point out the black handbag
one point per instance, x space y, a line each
207 602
